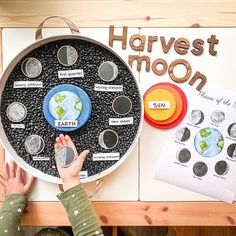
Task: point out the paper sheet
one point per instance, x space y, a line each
200 154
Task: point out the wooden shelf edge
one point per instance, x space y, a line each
138 214
131 13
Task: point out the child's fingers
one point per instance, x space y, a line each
56 146
71 143
12 170
22 174
3 181
63 140
83 155
18 172
6 171
80 159
58 141
29 183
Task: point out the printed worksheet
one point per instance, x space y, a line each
200 154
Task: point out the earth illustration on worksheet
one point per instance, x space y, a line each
65 105
209 142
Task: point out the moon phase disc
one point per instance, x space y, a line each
183 134
183 155
200 169
31 67
67 55
108 139
122 105
217 116
34 144
65 156
232 130
231 150
108 71
16 112
196 117
221 168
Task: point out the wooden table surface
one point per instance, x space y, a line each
138 13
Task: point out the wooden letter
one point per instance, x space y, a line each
141 39
167 47
139 61
197 76
212 41
188 70
181 46
151 40
164 67
122 37
198 48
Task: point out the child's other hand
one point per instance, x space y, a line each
12 179
70 174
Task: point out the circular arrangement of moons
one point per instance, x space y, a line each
196 117
221 168
183 134
122 105
108 71
232 130
31 67
70 104
108 139
200 169
217 116
67 55
183 155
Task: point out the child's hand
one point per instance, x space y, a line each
70 174
12 179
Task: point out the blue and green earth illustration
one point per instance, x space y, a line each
209 142
65 105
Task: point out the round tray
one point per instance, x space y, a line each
90 56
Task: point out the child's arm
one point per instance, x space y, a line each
10 215
80 210
15 201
